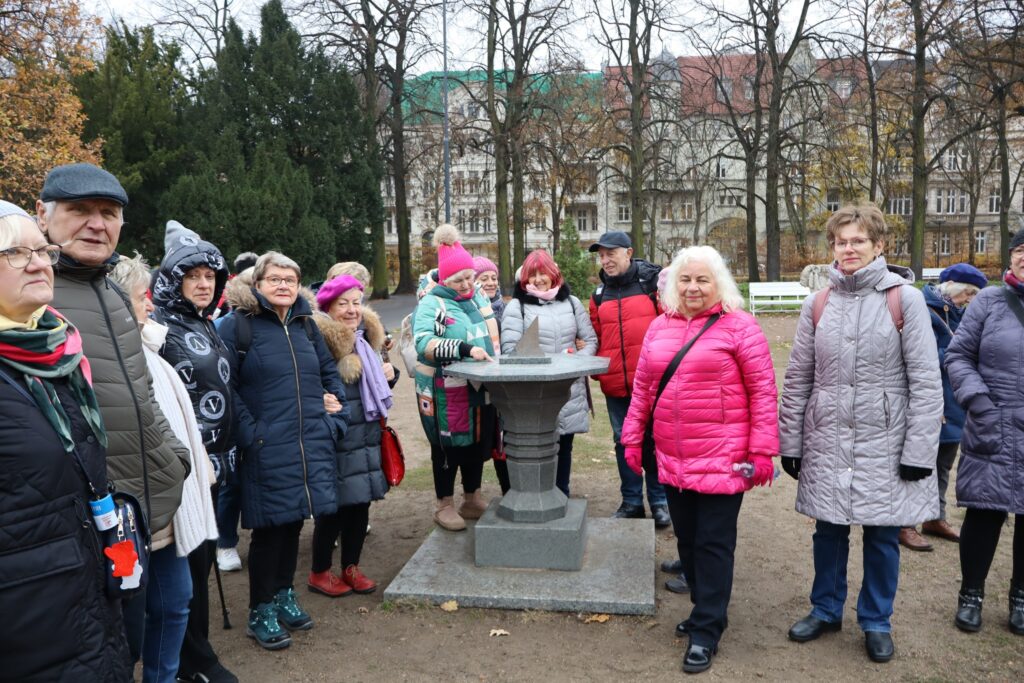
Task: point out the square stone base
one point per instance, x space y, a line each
557 544
616 577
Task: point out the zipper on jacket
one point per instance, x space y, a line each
298 396
885 405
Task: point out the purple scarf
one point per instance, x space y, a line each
373 388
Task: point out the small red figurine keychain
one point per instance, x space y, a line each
123 556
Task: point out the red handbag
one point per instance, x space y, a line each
392 458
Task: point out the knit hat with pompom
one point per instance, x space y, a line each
451 257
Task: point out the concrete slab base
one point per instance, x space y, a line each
557 544
617 576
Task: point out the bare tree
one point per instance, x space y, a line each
199 26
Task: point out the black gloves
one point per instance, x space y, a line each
911 473
792 466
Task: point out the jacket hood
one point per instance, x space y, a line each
519 293
342 341
185 251
934 298
876 275
245 299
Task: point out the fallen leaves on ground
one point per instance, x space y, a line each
596 619
450 606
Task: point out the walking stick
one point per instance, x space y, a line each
220 590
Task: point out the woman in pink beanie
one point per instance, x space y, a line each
454 322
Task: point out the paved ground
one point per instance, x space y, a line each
391 311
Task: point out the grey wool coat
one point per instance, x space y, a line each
562 320
986 360
860 399
360 477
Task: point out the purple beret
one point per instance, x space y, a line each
332 289
965 273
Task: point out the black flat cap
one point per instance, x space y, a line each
74 182
611 240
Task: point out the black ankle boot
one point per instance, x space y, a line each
968 609
1016 622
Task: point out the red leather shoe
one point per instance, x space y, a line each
357 581
326 583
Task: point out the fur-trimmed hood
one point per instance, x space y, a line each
342 341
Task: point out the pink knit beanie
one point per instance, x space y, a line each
482 264
451 256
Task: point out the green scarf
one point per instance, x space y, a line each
54 349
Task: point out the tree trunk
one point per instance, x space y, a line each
518 203
406 284
501 214
750 171
556 228
773 153
919 193
1004 180
637 92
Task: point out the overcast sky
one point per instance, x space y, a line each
464 38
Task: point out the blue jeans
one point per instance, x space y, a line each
632 486
229 508
167 596
881 574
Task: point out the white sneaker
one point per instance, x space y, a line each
228 560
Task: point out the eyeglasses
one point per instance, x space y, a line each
19 257
278 281
855 243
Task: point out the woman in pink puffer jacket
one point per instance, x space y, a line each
715 429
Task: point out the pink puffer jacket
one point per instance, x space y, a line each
718 409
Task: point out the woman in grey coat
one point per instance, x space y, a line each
355 337
985 362
564 327
859 424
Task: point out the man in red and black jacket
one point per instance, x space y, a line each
621 310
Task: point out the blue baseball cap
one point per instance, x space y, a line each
612 240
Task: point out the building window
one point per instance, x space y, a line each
473 183
950 201
951 162
980 241
995 201
944 244
389 223
843 88
748 88
461 220
625 214
686 210
485 182
666 212
727 199
900 206
457 182
719 168
723 90
487 223
582 220
474 220
832 201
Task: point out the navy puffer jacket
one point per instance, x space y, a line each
193 347
986 366
285 437
58 624
360 477
945 319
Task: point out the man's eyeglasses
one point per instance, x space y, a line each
19 257
276 281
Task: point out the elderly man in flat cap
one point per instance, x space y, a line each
81 210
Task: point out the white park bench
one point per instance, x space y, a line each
931 273
776 296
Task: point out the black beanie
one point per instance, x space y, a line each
1017 239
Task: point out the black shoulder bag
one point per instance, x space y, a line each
648 459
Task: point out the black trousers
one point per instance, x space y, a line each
273 555
979 537
501 472
197 655
349 522
705 528
447 462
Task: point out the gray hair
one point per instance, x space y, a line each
51 206
951 289
10 229
353 268
129 273
276 259
730 295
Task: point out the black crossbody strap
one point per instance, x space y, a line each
1013 301
671 369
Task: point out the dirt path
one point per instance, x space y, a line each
362 638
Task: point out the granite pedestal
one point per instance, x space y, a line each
616 576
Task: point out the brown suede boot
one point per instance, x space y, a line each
446 516
473 505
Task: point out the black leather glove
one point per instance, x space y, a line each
911 473
792 466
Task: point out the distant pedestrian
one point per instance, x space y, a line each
621 310
986 369
859 424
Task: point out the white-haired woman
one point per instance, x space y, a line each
170 588
714 427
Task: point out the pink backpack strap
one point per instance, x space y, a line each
892 298
820 299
